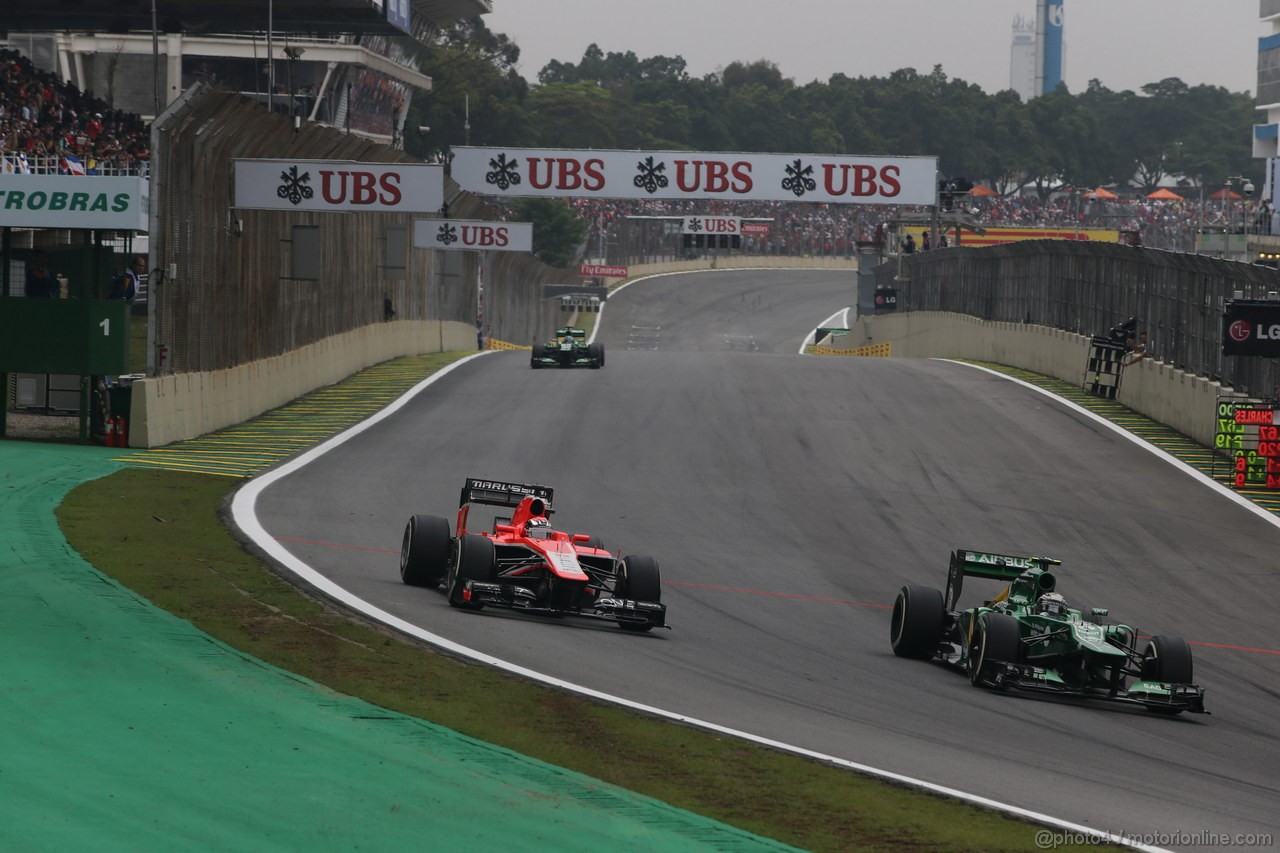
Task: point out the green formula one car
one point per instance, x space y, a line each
1028 638
569 348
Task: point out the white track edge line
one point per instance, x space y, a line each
1164 455
243 511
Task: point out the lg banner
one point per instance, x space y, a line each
339 186
473 235
826 178
1251 327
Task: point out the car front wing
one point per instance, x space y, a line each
1149 694
517 597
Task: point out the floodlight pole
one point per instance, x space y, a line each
271 58
155 59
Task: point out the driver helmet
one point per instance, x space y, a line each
1052 604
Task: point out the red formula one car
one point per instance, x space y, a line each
527 565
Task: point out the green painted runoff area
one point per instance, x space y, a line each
124 728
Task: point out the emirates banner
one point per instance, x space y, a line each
338 186
473 235
829 178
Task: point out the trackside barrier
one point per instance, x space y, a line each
503 345
884 350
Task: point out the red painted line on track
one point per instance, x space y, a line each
337 545
764 592
777 594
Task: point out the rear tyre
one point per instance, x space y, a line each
1168 659
997 640
594 542
595 352
918 622
640 580
424 550
473 560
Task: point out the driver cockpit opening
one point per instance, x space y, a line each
538 528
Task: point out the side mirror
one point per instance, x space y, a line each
580 537
1098 612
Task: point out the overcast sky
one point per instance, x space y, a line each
1124 43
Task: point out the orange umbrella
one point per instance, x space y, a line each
1104 193
1225 193
1163 194
980 190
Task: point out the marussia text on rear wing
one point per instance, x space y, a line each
984 564
496 493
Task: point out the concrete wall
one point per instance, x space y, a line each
179 406
1181 400
741 262
175 407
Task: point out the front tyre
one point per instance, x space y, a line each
424 550
595 354
996 641
1167 659
639 579
918 622
473 560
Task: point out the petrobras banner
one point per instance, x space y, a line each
106 203
340 186
473 235
829 178
711 225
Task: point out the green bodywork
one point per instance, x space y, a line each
569 348
1071 652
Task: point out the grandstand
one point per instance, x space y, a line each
335 62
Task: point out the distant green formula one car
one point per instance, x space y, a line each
1028 638
569 348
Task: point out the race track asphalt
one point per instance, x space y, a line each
787 498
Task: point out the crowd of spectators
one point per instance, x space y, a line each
44 122
799 228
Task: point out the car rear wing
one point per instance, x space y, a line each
984 564
496 493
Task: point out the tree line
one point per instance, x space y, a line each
1098 137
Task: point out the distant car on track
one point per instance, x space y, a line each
526 565
1028 638
569 348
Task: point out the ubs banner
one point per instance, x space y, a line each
830 178
1251 327
339 186
473 235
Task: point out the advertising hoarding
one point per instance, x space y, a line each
827 178
473 235
100 202
339 186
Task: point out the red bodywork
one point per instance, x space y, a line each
560 549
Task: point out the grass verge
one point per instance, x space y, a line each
182 557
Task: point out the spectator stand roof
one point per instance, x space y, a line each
223 16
